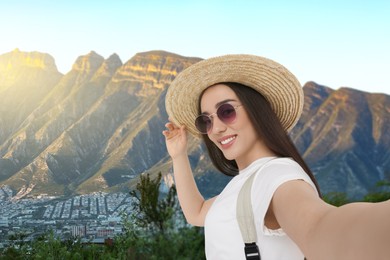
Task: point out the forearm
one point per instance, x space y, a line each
353 231
191 201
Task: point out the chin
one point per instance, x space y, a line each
229 157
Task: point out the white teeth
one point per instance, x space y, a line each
228 140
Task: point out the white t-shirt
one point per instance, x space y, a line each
223 238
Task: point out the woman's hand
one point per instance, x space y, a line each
175 139
194 206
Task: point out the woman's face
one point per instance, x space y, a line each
237 139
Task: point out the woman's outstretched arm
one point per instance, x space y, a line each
194 206
353 231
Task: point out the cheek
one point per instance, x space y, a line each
246 131
214 141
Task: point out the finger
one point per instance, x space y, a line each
167 134
170 126
183 128
183 131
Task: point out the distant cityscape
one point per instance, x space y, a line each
91 217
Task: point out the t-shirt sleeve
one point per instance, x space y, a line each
266 181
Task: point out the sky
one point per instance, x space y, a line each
335 43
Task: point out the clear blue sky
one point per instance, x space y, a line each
334 43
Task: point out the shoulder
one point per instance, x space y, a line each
282 168
284 163
278 171
298 208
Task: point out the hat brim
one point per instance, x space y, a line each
278 85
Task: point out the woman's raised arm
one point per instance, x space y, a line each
194 206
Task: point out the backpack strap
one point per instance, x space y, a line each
246 220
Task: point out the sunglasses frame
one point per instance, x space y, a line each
211 117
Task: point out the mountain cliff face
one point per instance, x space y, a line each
99 127
25 79
342 135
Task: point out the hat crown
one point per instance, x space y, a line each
278 85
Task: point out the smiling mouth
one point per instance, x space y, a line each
228 140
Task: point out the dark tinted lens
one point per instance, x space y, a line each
203 123
226 113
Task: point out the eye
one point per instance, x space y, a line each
226 111
205 120
203 123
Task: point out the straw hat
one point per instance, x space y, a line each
272 80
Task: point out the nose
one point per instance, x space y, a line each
218 126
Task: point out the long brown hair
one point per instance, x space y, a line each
266 124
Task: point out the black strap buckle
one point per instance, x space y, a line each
252 251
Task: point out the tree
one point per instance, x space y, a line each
336 198
378 196
156 229
151 211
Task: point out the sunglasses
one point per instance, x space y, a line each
225 112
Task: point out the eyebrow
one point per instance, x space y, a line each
219 104
223 102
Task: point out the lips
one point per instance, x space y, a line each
227 140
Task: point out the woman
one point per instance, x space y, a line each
243 106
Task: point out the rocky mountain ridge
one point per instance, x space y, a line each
98 127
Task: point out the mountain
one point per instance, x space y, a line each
25 79
343 137
98 127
